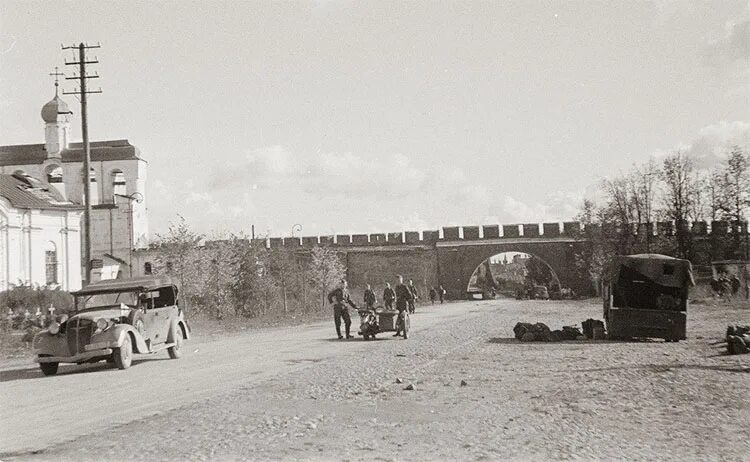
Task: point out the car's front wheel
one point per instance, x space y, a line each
123 356
175 351
48 368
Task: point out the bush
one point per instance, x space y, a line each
21 298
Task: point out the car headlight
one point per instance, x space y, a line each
53 328
101 325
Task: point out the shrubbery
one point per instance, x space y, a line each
229 277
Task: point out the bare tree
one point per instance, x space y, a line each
679 189
736 187
641 182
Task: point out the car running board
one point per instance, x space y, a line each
163 346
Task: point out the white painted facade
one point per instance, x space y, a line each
25 237
118 224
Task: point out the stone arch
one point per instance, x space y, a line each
115 184
485 262
457 262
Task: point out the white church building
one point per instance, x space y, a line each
40 239
118 198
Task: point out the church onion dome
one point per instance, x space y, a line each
51 110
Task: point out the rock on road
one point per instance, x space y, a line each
461 388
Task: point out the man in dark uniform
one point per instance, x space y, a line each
403 298
433 295
388 296
370 299
340 298
414 296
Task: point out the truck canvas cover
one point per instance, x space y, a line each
660 269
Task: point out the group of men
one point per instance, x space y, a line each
404 296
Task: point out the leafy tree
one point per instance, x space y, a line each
326 270
179 258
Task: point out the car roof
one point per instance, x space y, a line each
122 285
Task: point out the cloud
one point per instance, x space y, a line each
735 44
712 144
321 174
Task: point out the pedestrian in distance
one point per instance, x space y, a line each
414 297
403 298
339 297
370 299
388 296
441 294
433 295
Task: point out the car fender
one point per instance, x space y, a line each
184 330
45 343
119 332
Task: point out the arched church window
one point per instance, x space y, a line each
119 186
50 263
54 174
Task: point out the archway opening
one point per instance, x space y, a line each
54 174
515 274
119 185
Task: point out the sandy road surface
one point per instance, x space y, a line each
38 412
293 395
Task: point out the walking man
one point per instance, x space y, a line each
370 299
388 296
414 297
433 295
404 297
441 294
339 297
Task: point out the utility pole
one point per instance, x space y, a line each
82 92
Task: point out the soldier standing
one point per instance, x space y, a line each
339 297
388 296
414 296
370 299
404 298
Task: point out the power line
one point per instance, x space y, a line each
82 91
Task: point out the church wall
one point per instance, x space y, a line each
25 239
110 232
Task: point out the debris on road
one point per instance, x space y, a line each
409 387
738 340
592 327
540 332
463 383
398 380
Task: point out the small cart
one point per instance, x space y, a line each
382 320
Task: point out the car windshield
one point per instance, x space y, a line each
111 299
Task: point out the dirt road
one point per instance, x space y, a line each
293 394
39 412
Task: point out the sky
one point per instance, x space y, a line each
376 116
